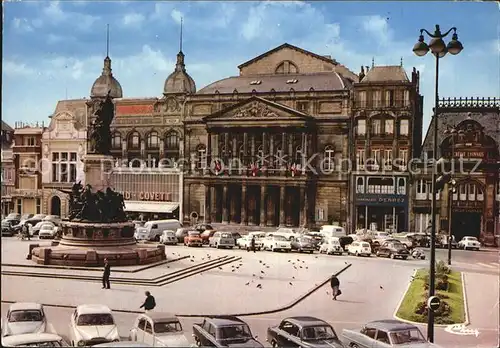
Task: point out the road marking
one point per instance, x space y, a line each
496 264
486 265
460 329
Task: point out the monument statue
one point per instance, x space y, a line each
99 133
86 206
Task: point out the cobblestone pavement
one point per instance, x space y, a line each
372 289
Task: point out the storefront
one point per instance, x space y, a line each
382 212
150 193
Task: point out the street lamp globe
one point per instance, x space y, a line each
438 47
455 46
420 48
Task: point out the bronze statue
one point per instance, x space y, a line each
100 131
95 207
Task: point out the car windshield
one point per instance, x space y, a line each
42 344
383 234
407 336
323 332
471 238
169 234
398 245
194 234
306 239
47 227
365 245
167 327
280 238
226 235
234 332
25 315
95 319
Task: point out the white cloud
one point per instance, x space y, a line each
378 27
54 11
54 39
22 25
133 19
11 68
177 16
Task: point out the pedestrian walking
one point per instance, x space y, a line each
252 243
25 231
335 284
106 274
149 303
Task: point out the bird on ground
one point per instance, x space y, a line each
262 272
232 270
260 261
168 266
248 283
315 257
307 267
290 283
261 278
303 261
293 277
300 266
345 262
259 286
267 266
289 260
220 267
327 293
294 267
298 260
381 287
253 275
192 260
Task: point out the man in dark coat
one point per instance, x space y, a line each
252 243
106 274
150 303
26 231
335 284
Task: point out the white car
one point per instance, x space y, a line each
276 242
168 237
92 324
331 246
158 330
34 340
24 318
55 219
469 243
33 230
245 242
288 233
359 249
47 230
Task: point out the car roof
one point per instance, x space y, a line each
25 305
224 321
30 338
123 344
161 316
92 309
390 325
303 321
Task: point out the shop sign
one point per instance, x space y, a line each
468 154
378 199
146 196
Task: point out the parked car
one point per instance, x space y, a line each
7 229
328 231
236 236
316 238
469 242
276 243
303 332
141 234
158 330
386 333
410 244
206 231
419 239
35 230
393 249
359 249
47 230
168 238
13 216
289 233
180 233
331 246
92 324
55 219
221 240
154 229
303 244
123 344
224 332
34 340
193 238
24 318
245 242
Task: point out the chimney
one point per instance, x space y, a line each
362 74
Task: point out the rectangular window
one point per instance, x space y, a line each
64 156
389 126
30 141
389 98
406 98
55 156
303 106
320 214
72 156
388 158
404 128
38 205
376 127
64 172
360 159
72 172
376 157
377 99
403 157
55 172
362 99
19 206
361 127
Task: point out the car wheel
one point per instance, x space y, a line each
274 344
197 342
356 254
354 345
391 255
157 238
404 257
272 249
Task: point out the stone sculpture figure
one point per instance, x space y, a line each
100 132
75 201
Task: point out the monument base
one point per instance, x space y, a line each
97 170
88 244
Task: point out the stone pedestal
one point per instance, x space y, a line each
97 170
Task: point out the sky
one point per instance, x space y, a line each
55 50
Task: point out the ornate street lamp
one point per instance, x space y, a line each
439 49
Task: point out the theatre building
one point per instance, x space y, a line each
468 135
265 147
386 134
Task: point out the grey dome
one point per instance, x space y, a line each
106 83
179 81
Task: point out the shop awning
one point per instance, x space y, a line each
150 207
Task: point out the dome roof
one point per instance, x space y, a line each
179 81
106 83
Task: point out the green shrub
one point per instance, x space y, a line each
444 309
442 268
441 282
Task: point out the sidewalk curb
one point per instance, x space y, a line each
466 311
271 311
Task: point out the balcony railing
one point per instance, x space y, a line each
382 104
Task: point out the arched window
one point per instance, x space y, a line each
287 67
134 140
172 145
329 160
116 141
152 140
401 186
360 185
202 156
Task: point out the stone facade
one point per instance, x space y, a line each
8 169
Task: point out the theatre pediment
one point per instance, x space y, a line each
259 110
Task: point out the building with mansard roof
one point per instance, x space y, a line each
469 136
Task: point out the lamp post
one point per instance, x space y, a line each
451 190
439 49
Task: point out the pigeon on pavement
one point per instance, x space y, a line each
290 283
259 286
381 287
248 283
